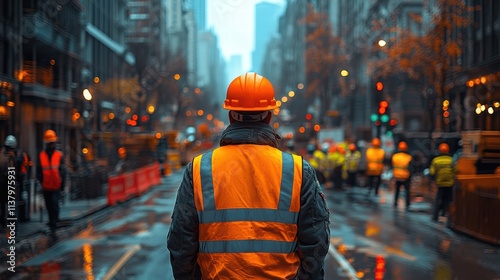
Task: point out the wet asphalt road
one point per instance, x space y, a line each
369 240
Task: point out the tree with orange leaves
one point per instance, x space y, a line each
430 57
324 58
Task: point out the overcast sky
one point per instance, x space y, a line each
233 22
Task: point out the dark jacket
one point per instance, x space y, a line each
313 225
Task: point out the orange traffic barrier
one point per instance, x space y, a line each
116 189
154 174
130 186
141 180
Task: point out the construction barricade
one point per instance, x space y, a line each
116 189
127 185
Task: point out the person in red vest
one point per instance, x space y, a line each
247 210
50 174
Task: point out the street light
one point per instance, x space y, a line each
87 95
382 43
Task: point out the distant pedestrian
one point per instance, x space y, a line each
247 210
443 171
402 171
374 165
51 173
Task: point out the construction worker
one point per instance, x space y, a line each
51 174
443 171
7 167
374 165
337 159
317 161
401 171
353 156
247 210
22 166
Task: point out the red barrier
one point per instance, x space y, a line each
154 174
142 180
116 189
130 185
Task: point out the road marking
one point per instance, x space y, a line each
121 262
344 264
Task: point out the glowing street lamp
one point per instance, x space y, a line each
382 43
87 95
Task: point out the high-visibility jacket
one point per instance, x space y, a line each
401 165
442 167
247 229
50 169
352 161
375 161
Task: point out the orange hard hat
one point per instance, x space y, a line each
444 148
341 150
402 146
333 148
352 147
50 136
376 142
122 152
250 92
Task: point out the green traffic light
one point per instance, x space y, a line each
388 133
384 118
374 117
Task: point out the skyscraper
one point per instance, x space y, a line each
266 24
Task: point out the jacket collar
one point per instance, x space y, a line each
249 133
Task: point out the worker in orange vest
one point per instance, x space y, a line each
51 173
401 172
247 210
374 165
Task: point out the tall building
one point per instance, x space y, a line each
199 8
266 25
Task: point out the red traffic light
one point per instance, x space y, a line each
309 117
393 122
377 123
382 110
379 86
383 104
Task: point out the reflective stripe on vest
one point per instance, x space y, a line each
401 162
247 211
50 170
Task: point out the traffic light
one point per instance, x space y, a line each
379 86
382 107
309 116
378 123
393 123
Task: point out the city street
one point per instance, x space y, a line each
369 240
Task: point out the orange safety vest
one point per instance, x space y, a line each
50 170
400 163
248 203
375 161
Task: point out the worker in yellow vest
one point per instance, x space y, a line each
401 172
443 170
353 157
247 210
374 165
